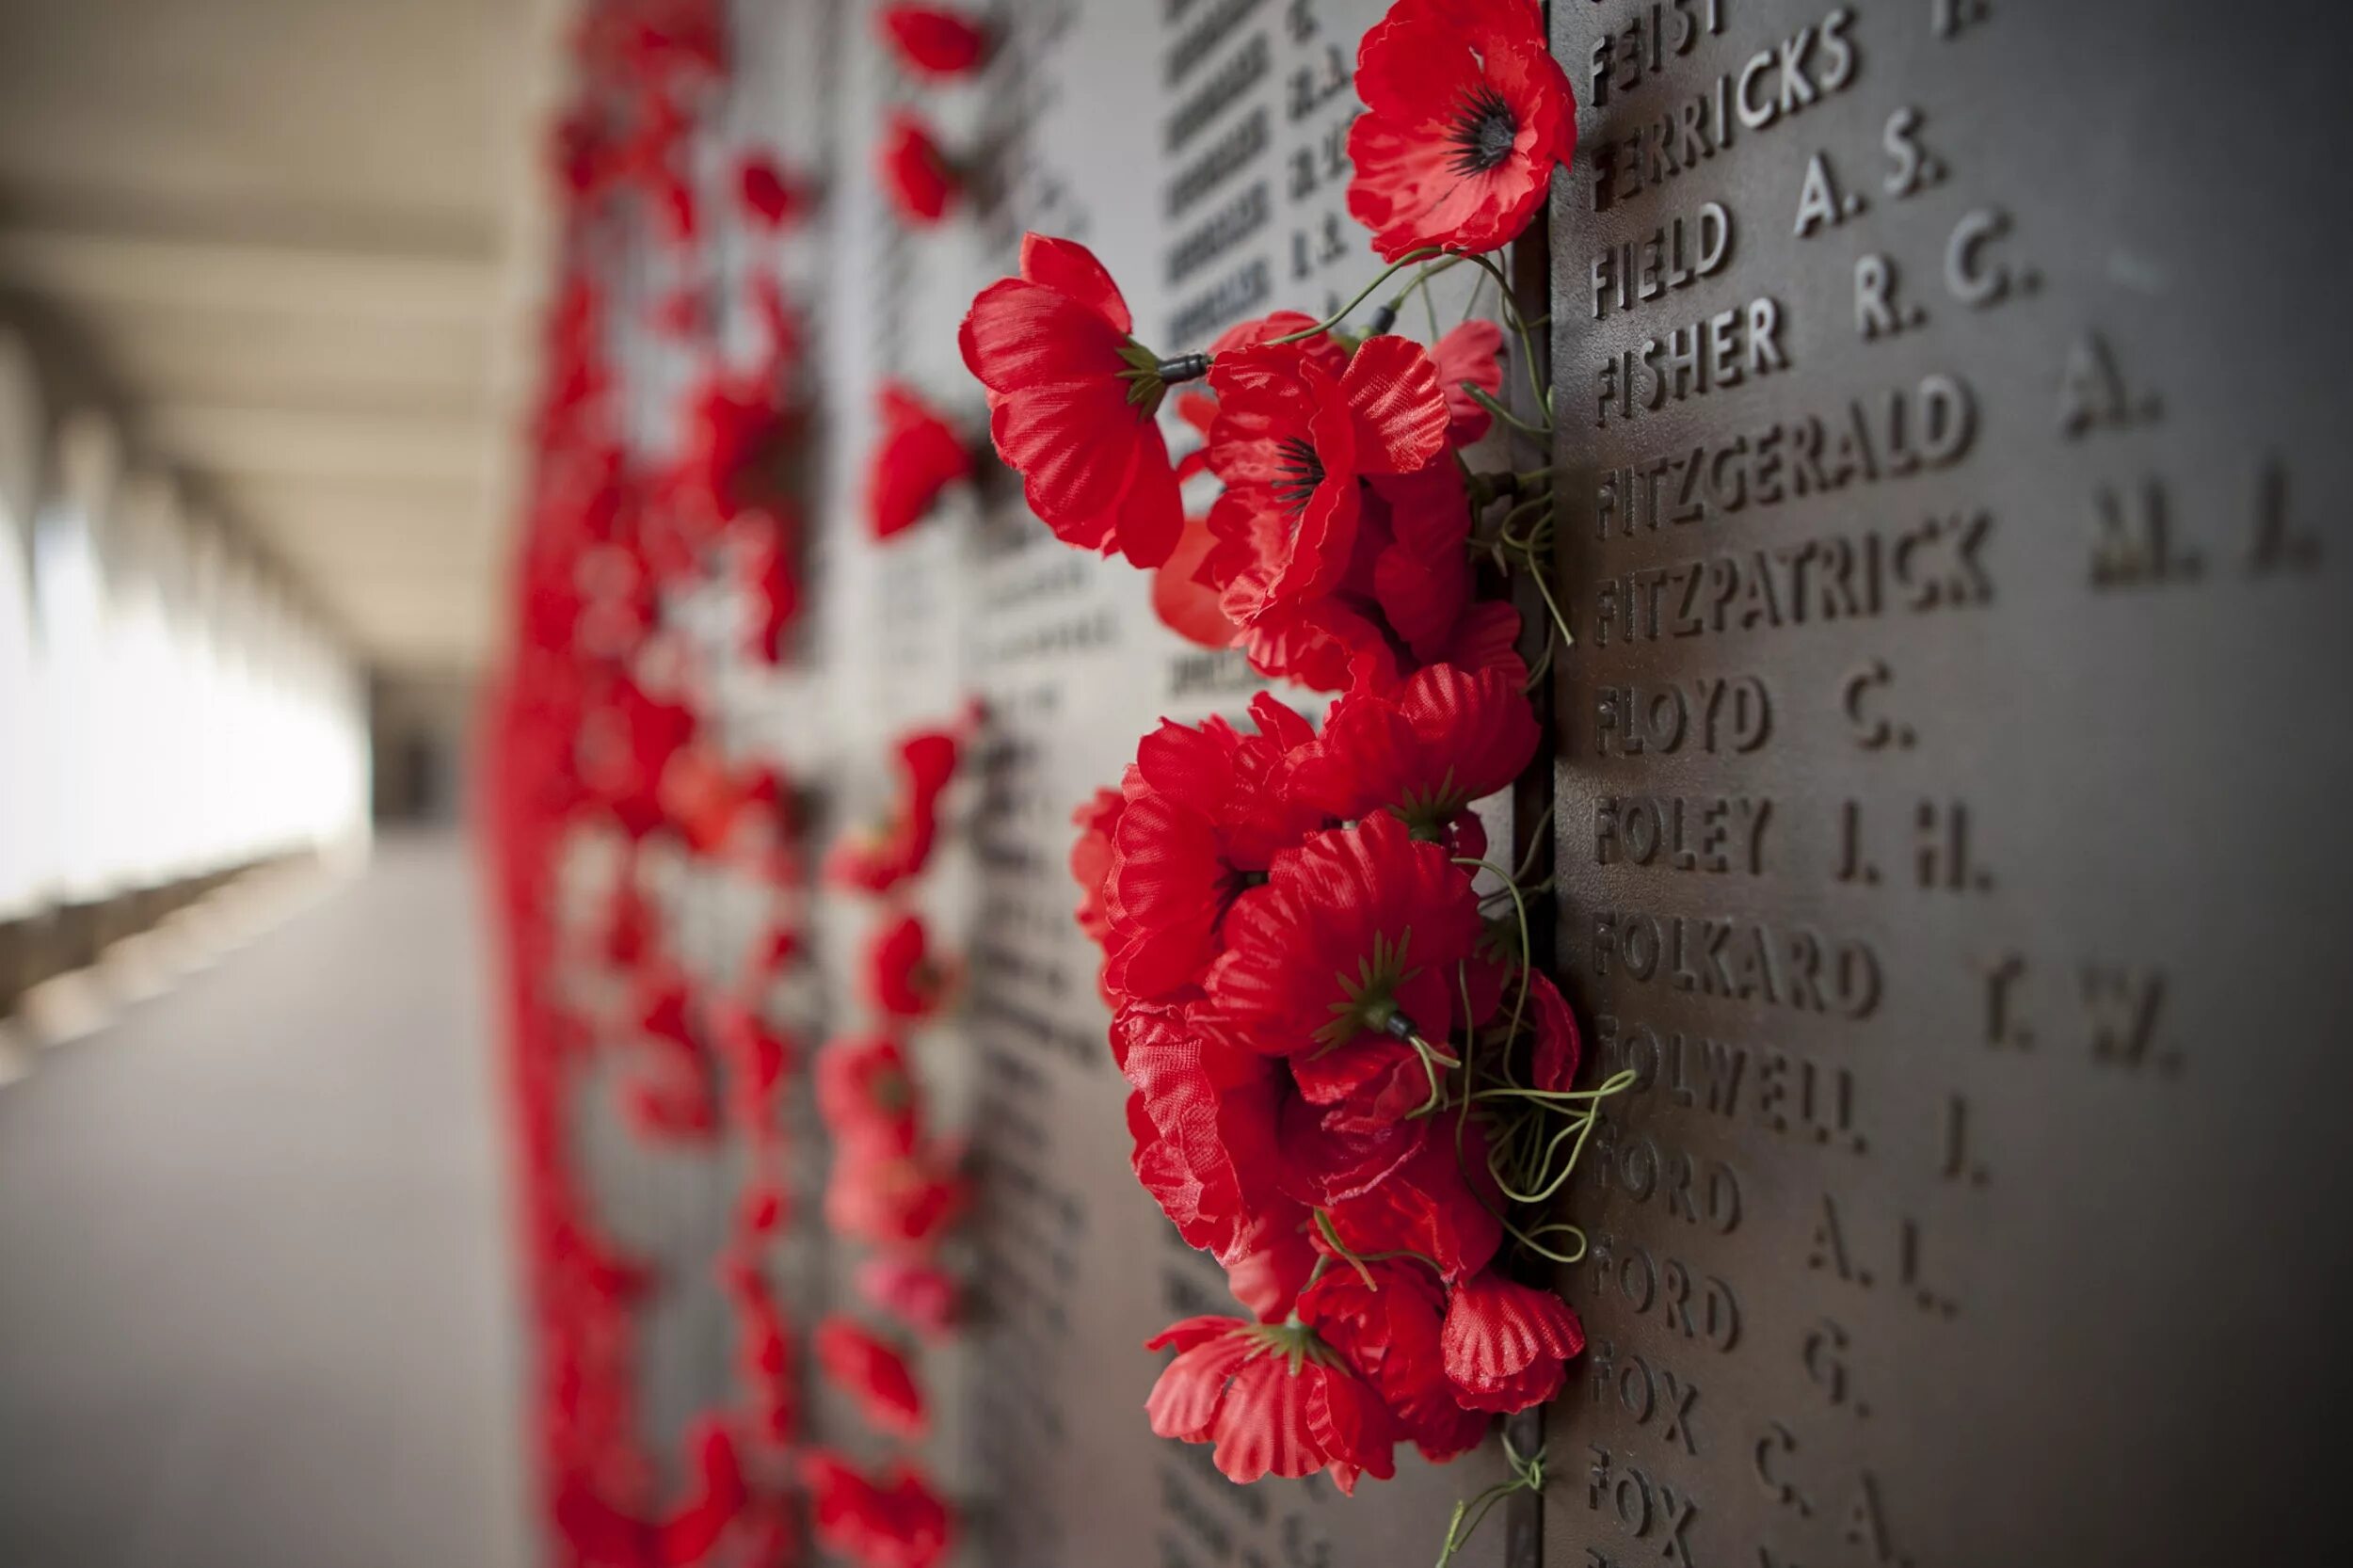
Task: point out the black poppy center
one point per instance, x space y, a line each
1303 471
1484 130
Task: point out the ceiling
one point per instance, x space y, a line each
298 238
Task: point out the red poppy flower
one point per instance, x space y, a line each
770 199
916 174
758 1058
921 1295
1470 356
1205 815
866 1096
901 978
1205 1117
1422 576
1324 644
1384 1318
1096 820
1558 1044
932 41
902 1202
891 1520
1436 1201
1465 114
1187 602
1507 1345
1275 1399
1072 399
1442 740
1291 439
764 1209
873 1372
737 429
881 858
1198 409
1349 947
919 454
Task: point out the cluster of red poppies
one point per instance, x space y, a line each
594 731
1342 1058
896 1188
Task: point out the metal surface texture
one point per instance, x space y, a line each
1951 783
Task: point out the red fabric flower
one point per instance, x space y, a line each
1470 356
891 1520
1558 1044
1465 114
758 1058
1205 1117
881 858
1442 740
1436 1201
770 198
1096 820
916 174
738 425
1187 602
1072 400
866 1095
1291 440
921 1295
901 978
900 1202
1384 1318
919 454
1206 814
873 1373
1353 940
932 40
1421 575
1276 1399
1507 1345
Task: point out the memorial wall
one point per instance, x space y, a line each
1941 785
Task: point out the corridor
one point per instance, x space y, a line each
255 1308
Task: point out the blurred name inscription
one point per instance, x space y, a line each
1952 780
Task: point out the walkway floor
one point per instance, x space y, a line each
254 1298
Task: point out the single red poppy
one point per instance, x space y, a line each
900 1202
1275 1399
771 199
1469 356
1072 401
893 1519
1205 1117
1466 114
873 1373
1289 442
1384 1318
1205 815
866 1096
932 41
1507 1345
917 455
916 174
1345 961
902 978
922 1295
1184 597
877 859
1425 751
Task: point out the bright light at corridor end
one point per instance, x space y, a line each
167 709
